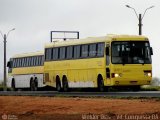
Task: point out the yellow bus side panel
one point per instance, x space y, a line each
27 70
80 70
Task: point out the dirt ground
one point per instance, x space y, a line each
58 108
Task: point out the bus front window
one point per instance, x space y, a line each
131 52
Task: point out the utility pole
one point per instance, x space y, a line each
140 17
140 24
5 71
5 75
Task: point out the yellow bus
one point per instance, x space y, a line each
26 71
99 62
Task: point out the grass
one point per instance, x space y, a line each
109 97
150 88
1 88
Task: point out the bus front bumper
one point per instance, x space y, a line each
116 82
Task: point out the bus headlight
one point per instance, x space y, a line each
149 74
116 75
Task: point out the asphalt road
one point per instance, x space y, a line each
155 94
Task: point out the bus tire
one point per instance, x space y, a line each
36 84
65 84
33 85
58 84
100 82
13 86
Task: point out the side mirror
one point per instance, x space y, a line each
107 51
9 64
151 50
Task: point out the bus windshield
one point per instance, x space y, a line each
131 52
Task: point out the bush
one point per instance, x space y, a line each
155 82
150 88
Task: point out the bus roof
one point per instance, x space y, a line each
108 38
28 54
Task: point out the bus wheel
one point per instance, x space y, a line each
58 86
36 84
33 85
100 84
13 85
65 84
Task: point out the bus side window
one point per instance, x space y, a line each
62 53
55 54
100 50
28 59
77 51
42 60
69 52
84 51
92 50
48 53
15 63
39 60
22 62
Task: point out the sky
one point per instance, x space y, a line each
34 19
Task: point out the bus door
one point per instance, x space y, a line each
108 65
